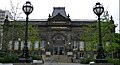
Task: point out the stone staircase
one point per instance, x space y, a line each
58 58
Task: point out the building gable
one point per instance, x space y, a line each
59 16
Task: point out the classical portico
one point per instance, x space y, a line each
59 28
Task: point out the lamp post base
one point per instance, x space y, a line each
25 60
101 61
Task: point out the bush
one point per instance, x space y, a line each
114 61
14 58
86 61
2 54
36 57
9 58
82 61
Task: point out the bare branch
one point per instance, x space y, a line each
15 10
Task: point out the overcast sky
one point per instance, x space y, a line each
77 9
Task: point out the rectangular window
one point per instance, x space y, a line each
43 44
29 45
16 45
75 45
59 22
81 45
10 45
81 55
36 45
59 27
22 45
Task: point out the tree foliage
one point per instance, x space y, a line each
91 37
33 34
19 32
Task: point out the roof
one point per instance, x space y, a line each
46 20
59 10
33 20
83 20
73 21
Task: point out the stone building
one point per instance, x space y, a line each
59 34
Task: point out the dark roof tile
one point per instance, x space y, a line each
59 10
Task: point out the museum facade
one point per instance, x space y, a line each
59 35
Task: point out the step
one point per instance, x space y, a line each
58 58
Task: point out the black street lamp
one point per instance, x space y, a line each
27 9
98 9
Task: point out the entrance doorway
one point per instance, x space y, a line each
58 50
58 44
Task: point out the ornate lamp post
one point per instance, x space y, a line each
27 9
98 9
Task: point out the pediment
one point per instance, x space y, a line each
59 17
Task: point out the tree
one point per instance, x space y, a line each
114 45
19 32
33 35
16 14
18 26
6 34
90 36
15 10
33 32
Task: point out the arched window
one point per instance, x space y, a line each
58 37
